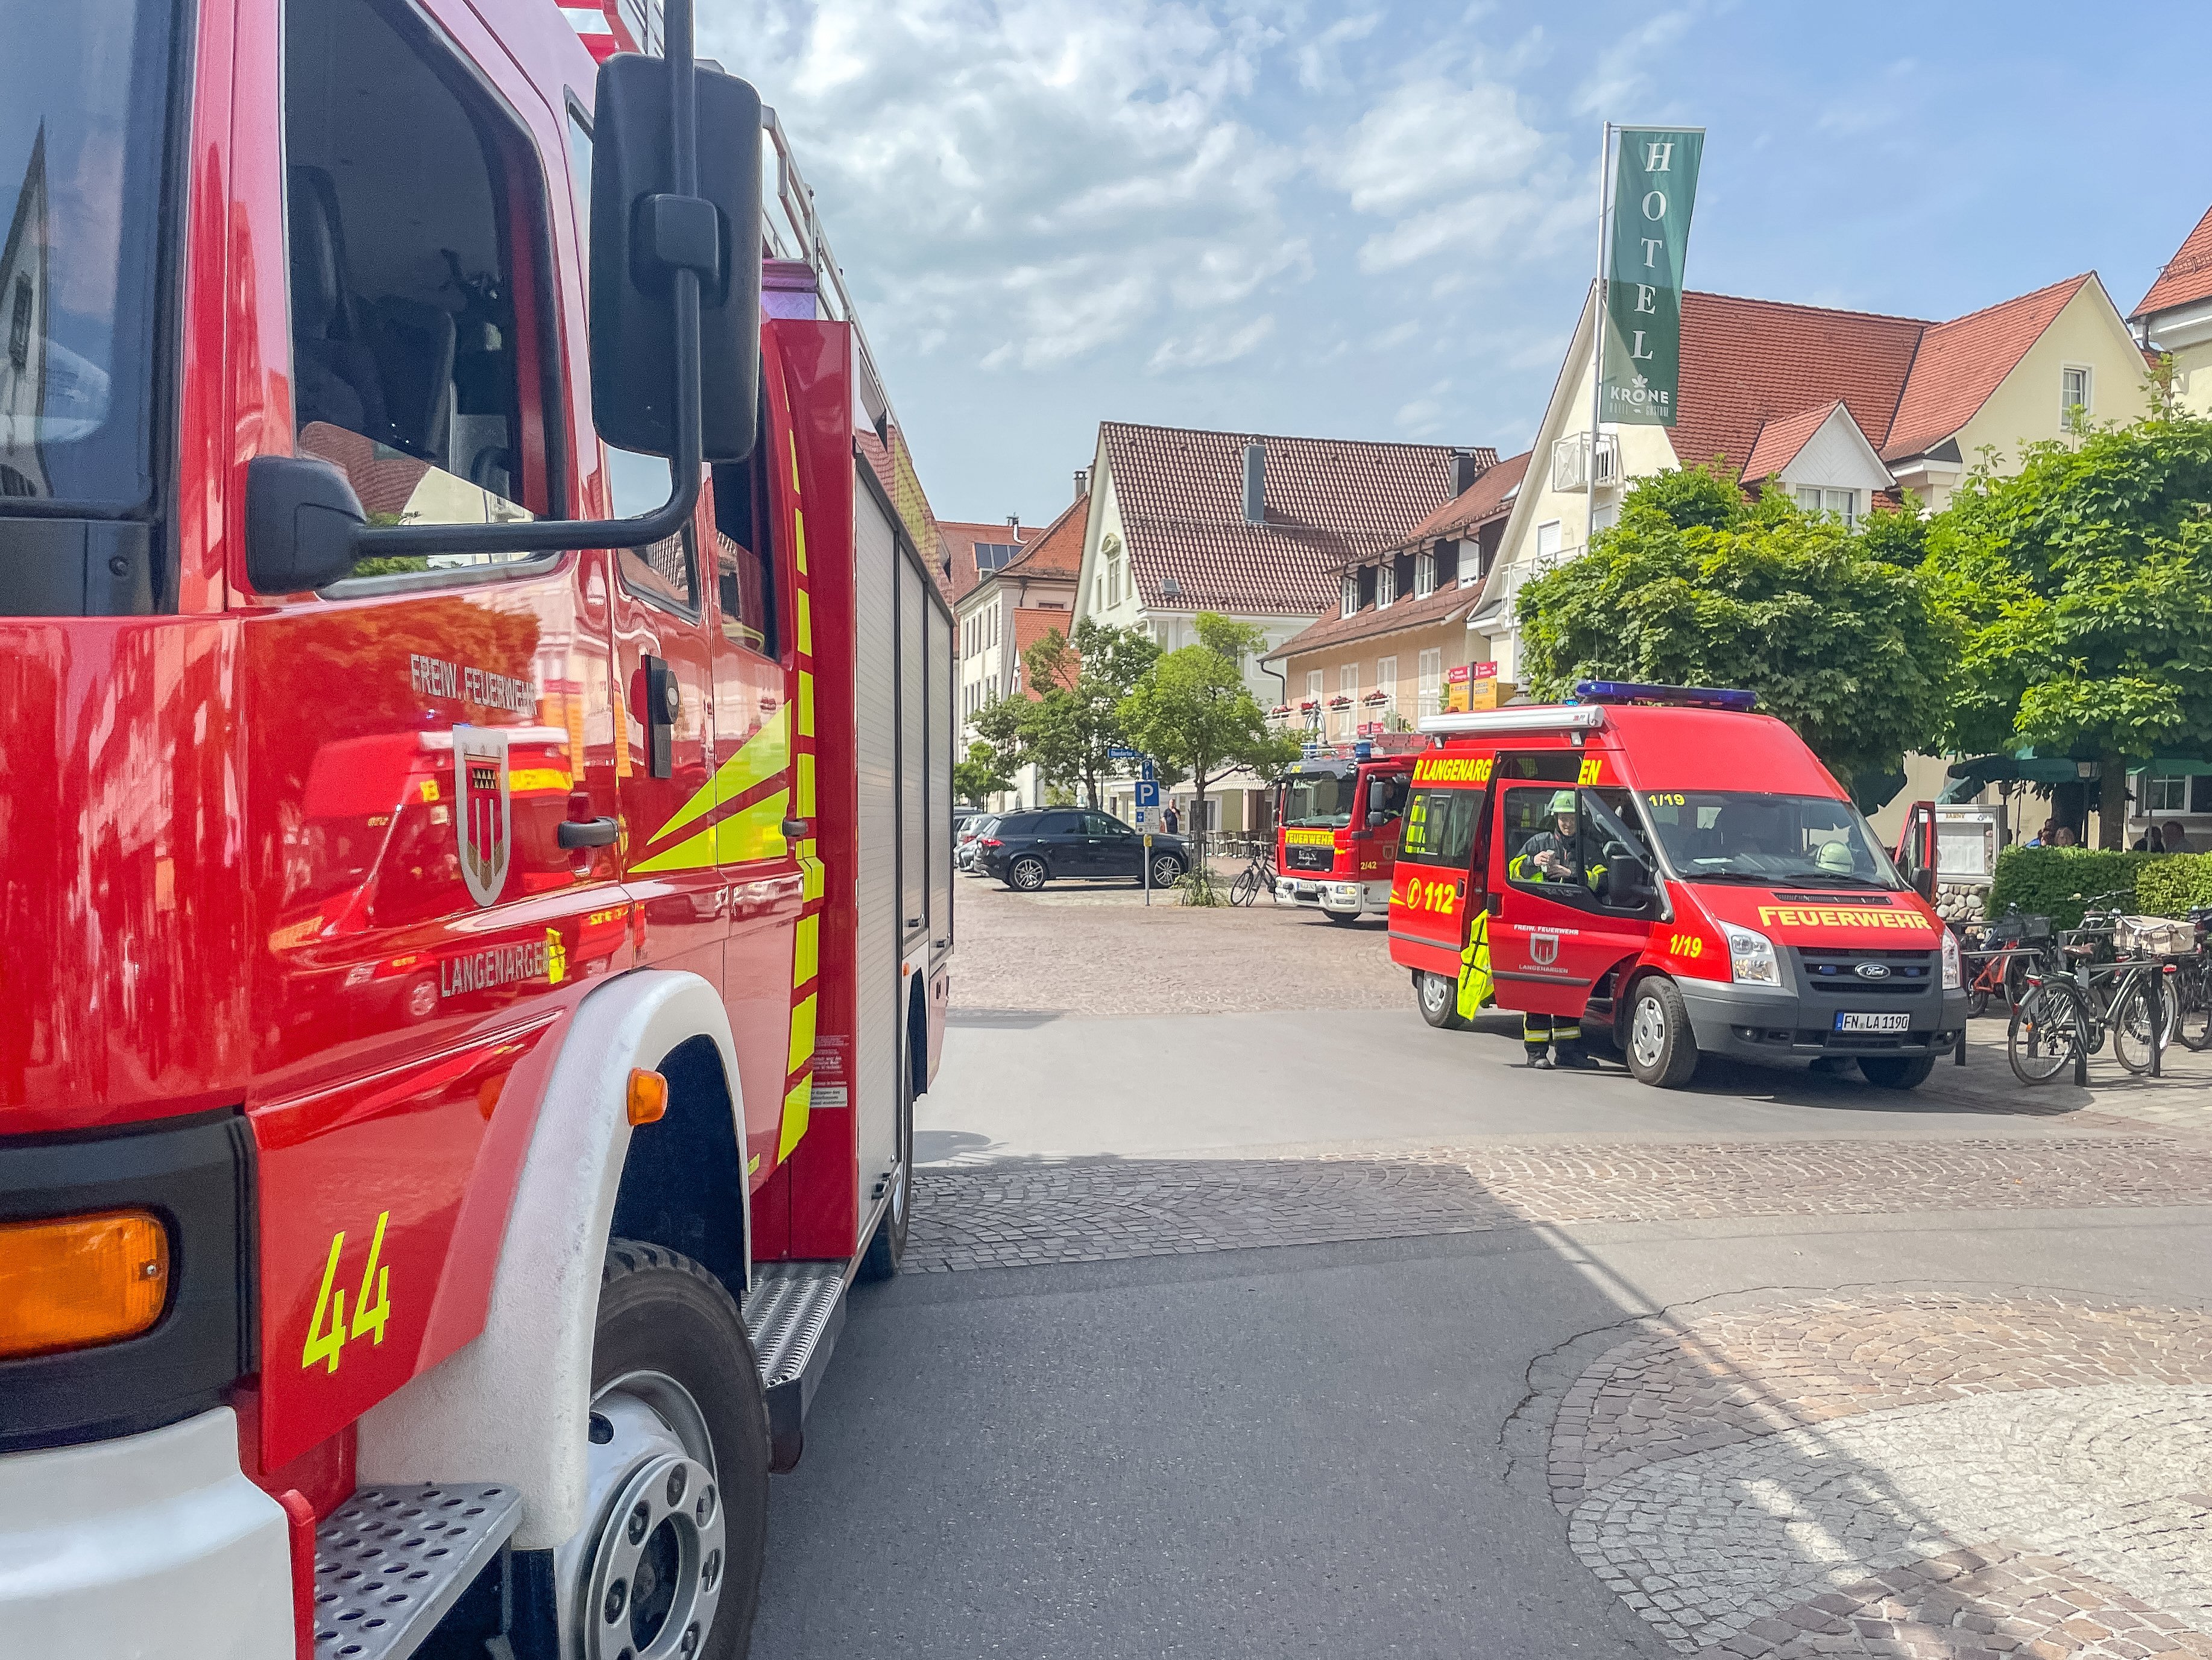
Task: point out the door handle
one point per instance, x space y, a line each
585 833
794 830
662 703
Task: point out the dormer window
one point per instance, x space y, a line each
1349 596
1845 504
1424 573
1385 585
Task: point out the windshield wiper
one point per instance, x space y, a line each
1850 879
1729 876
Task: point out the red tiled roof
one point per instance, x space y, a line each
1779 441
1446 605
1057 550
1031 624
2185 278
960 540
1181 494
1748 362
1484 499
1962 362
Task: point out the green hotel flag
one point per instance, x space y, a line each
1654 187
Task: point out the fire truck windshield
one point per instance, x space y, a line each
1317 801
1734 835
83 114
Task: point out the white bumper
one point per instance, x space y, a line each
150 1547
1331 893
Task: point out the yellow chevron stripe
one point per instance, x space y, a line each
806 950
695 852
806 785
805 624
796 1107
762 756
806 703
755 833
792 439
802 1033
799 537
809 871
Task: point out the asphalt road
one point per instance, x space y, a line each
1360 1445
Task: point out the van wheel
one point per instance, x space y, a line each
1896 1071
677 1465
1439 999
1026 874
888 1243
1662 1050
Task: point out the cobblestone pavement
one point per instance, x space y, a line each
1095 948
1933 1476
1013 1214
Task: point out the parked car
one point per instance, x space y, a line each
1025 850
964 839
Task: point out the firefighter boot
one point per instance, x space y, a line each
1569 1056
1539 1052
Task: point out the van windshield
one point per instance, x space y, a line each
1317 801
83 114
1738 836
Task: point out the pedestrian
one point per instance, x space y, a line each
2063 836
1170 820
2042 837
2177 839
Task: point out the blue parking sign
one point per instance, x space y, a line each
1148 793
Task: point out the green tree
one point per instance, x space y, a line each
981 775
1072 725
1695 586
1194 715
2083 588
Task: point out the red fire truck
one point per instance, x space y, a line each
1336 829
1660 868
477 793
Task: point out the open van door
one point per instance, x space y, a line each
1916 850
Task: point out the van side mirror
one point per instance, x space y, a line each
301 516
1627 878
1923 882
644 228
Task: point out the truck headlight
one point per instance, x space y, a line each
1951 975
1751 957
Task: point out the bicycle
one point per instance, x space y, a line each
2000 958
2192 986
1259 872
2064 1017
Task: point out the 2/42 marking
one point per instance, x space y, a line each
327 1343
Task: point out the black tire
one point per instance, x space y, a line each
1438 997
1896 1071
1167 870
2130 1025
2047 1033
887 1244
1662 1049
661 1312
1246 888
1027 873
2195 1027
1978 1003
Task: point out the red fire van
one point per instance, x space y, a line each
1678 872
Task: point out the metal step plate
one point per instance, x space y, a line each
389 1561
793 1314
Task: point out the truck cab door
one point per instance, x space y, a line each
1916 850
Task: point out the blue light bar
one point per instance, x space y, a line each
1692 697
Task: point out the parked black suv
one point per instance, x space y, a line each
1025 850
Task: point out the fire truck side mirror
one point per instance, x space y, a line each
646 226
301 517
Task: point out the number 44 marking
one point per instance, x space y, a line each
327 1343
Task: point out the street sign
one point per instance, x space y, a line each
1145 771
1121 752
1148 793
1144 821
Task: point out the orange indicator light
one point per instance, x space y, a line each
72 1282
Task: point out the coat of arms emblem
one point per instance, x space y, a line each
1543 949
483 821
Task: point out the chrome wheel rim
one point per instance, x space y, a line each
1433 988
641 1580
1647 1037
1164 872
1028 874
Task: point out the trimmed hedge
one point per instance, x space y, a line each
2056 882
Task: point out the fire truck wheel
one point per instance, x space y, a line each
1026 874
1439 999
888 1243
1896 1071
670 1569
1662 1050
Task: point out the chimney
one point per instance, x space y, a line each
1082 482
1465 470
1256 483
1014 524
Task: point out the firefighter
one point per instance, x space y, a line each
1555 856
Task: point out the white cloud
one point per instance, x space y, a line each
1621 77
1320 62
1210 349
1025 183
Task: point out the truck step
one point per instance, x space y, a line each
391 1561
794 1314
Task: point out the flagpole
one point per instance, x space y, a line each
1597 331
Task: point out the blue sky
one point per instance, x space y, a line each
1376 222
